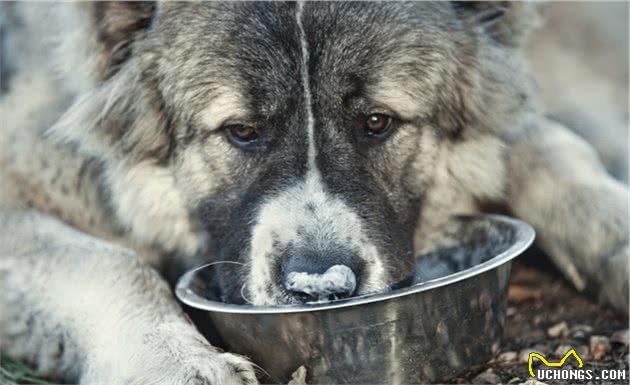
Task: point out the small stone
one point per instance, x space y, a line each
507 357
523 354
558 330
582 351
487 377
580 331
561 350
620 337
510 311
599 346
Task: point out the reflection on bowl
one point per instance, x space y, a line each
449 319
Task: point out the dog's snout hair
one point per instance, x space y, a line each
306 217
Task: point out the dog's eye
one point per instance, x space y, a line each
241 134
375 124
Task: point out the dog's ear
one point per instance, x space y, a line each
507 22
116 26
116 110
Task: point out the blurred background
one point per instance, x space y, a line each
580 57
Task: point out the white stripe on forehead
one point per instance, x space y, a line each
308 97
306 208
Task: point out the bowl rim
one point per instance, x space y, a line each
525 235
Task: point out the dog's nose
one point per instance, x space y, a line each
336 282
315 279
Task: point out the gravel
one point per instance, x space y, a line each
558 330
523 354
537 314
486 377
620 337
561 350
599 346
507 357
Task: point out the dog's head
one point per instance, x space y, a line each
300 138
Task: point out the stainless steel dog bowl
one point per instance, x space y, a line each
432 330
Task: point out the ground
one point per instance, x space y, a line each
544 314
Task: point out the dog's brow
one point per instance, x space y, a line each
393 95
411 93
227 104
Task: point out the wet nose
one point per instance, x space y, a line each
338 281
320 278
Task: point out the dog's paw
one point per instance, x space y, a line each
169 355
225 369
212 368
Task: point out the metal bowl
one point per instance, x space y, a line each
449 320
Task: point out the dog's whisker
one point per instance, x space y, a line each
232 262
244 296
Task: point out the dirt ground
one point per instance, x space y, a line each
545 314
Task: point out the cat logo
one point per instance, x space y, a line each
548 364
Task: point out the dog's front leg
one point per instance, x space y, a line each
81 309
558 184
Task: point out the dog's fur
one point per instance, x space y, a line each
115 164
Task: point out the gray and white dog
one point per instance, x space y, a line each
139 140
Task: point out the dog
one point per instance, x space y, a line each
140 140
